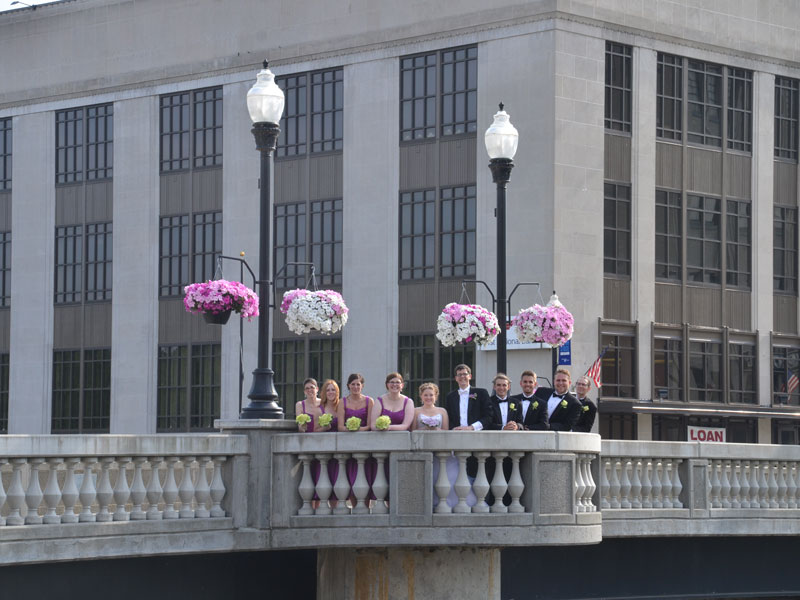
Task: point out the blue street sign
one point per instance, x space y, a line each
565 353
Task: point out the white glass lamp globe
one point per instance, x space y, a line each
501 138
265 99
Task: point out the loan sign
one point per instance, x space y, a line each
706 434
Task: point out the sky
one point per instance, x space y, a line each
6 4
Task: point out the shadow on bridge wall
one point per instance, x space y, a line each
687 567
284 574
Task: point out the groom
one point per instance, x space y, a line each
468 408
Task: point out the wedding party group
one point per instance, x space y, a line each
466 408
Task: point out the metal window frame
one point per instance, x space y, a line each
418 269
325 239
173 363
289 251
98 261
463 268
206 145
622 266
6 146
787 148
68 286
788 276
99 142
206 243
675 64
611 122
177 273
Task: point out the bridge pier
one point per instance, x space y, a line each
408 573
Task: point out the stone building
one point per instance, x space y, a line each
655 190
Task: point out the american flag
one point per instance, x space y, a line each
594 371
792 384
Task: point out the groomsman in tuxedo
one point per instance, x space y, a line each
503 407
468 408
588 408
563 409
530 413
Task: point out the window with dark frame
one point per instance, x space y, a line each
191 129
703 239
69 264
177 246
619 78
81 393
617 426
188 388
458 216
740 109
619 365
172 392
787 99
668 369
204 398
669 99
85 144
5 269
418 234
289 226
206 244
449 75
738 262
449 358
705 371
323 103
617 230
669 235
785 366
742 373
69 146
4 373
5 154
704 103
326 240
416 362
289 364
784 253
99 260
99 144
325 359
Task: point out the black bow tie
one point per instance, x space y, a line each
559 396
503 400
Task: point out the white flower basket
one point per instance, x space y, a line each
306 311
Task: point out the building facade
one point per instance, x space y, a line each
655 189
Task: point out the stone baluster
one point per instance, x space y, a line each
16 493
461 485
3 461
655 483
591 487
88 491
122 491
744 482
613 484
725 484
480 487
69 493
772 484
736 486
202 491
499 484
791 483
361 486
636 484
138 491
442 485
625 484
715 484
52 493
666 483
186 489
170 493
324 487
154 489
605 486
647 487
579 485
380 487
797 483
677 486
218 488
341 486
515 484
33 495
782 487
763 484
104 492
306 487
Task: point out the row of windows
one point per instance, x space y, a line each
191 129
85 143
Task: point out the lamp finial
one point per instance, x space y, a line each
501 107
266 63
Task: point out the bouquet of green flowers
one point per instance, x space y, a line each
303 419
353 424
325 419
383 422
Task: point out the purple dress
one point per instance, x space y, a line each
333 465
398 416
352 463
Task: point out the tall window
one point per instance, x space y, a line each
98 261
5 154
787 93
703 239
5 269
4 371
416 363
705 371
296 359
619 77
458 224
78 270
188 394
785 374
619 365
177 247
326 240
417 234
324 103
81 391
191 129
737 265
704 96
669 233
668 368
669 99
69 264
740 109
617 230
742 373
449 76
172 390
325 358
784 255
84 143
449 358
290 244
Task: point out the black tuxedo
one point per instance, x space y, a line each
534 418
563 418
497 415
478 409
588 414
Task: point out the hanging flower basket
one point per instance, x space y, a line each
528 322
214 298
306 310
552 324
465 323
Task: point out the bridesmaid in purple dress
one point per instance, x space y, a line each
330 405
356 405
393 404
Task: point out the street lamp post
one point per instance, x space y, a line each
265 104
501 140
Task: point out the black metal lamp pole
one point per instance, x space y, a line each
501 173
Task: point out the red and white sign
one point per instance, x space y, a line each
706 434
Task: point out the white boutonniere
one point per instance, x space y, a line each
512 406
563 404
